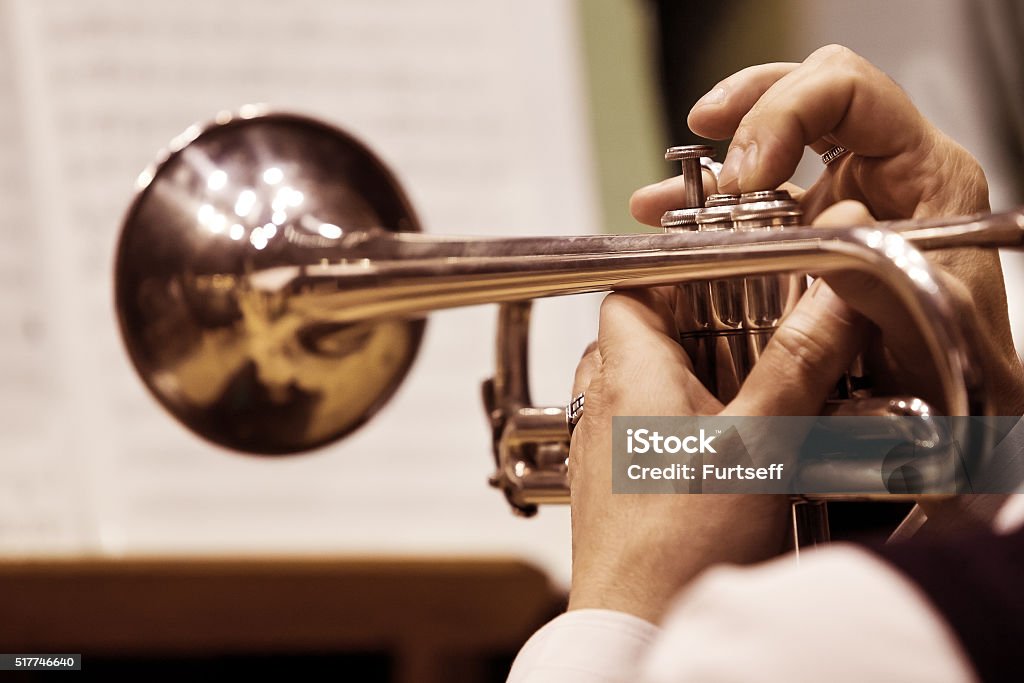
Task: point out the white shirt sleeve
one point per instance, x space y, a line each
585 646
841 615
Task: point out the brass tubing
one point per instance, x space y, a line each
348 292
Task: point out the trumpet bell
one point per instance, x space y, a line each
210 273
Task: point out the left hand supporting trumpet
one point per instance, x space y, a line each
633 552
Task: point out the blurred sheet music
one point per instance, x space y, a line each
479 109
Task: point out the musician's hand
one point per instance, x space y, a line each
633 552
901 166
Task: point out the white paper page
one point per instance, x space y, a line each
43 505
479 110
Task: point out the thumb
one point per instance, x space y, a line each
808 353
647 372
636 319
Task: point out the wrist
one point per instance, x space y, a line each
638 583
626 595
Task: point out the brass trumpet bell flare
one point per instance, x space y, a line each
215 287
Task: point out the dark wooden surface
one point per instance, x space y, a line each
423 612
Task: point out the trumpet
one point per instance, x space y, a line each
272 279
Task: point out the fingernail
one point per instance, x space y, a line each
749 167
715 96
731 168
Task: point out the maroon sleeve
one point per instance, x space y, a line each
977 583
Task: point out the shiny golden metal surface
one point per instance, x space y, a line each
220 291
270 278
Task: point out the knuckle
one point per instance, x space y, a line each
846 63
747 130
835 53
957 181
805 351
971 179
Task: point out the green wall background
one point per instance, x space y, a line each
629 130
